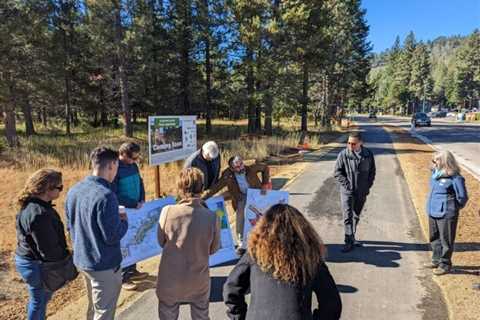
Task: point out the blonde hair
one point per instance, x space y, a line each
190 182
446 161
286 245
38 183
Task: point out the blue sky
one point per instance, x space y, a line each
428 19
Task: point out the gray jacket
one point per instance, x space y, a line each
355 175
196 160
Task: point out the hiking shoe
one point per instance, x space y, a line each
441 271
129 286
476 286
136 275
347 247
430 265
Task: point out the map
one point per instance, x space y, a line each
227 247
257 204
140 242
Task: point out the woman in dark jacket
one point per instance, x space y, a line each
447 196
40 235
283 266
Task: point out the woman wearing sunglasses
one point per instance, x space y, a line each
447 196
40 236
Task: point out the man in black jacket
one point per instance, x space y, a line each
355 172
208 160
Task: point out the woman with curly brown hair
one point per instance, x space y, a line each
40 236
284 264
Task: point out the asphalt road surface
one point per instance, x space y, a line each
463 139
383 279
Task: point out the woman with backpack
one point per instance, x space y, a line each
447 196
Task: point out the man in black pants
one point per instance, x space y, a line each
355 172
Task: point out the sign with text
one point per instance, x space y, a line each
171 138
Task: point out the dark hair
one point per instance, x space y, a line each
129 148
101 157
355 134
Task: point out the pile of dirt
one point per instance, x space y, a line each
415 159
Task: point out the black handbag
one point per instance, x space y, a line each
57 274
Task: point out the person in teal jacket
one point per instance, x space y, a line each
130 191
447 196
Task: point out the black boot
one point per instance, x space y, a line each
348 246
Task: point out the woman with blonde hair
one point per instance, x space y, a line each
40 236
284 264
189 233
447 196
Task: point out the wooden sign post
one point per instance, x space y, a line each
157 182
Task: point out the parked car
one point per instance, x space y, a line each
372 115
421 119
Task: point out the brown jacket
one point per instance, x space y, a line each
228 180
188 233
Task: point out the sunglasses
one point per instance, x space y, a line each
352 143
59 188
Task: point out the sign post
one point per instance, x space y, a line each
157 182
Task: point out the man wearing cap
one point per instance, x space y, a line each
238 178
206 159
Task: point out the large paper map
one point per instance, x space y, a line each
257 204
227 247
140 242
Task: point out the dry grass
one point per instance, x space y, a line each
415 159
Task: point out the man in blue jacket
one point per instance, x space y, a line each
130 191
96 227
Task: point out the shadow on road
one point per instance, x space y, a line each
385 254
346 289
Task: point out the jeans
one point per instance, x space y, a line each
39 297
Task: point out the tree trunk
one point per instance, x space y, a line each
103 118
304 112
27 114
44 116
250 92
208 70
9 116
268 112
127 129
185 54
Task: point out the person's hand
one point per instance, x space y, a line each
123 216
140 204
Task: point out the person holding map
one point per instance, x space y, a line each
208 160
355 172
130 191
96 227
238 177
189 233
284 266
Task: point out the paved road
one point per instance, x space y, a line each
384 279
461 138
